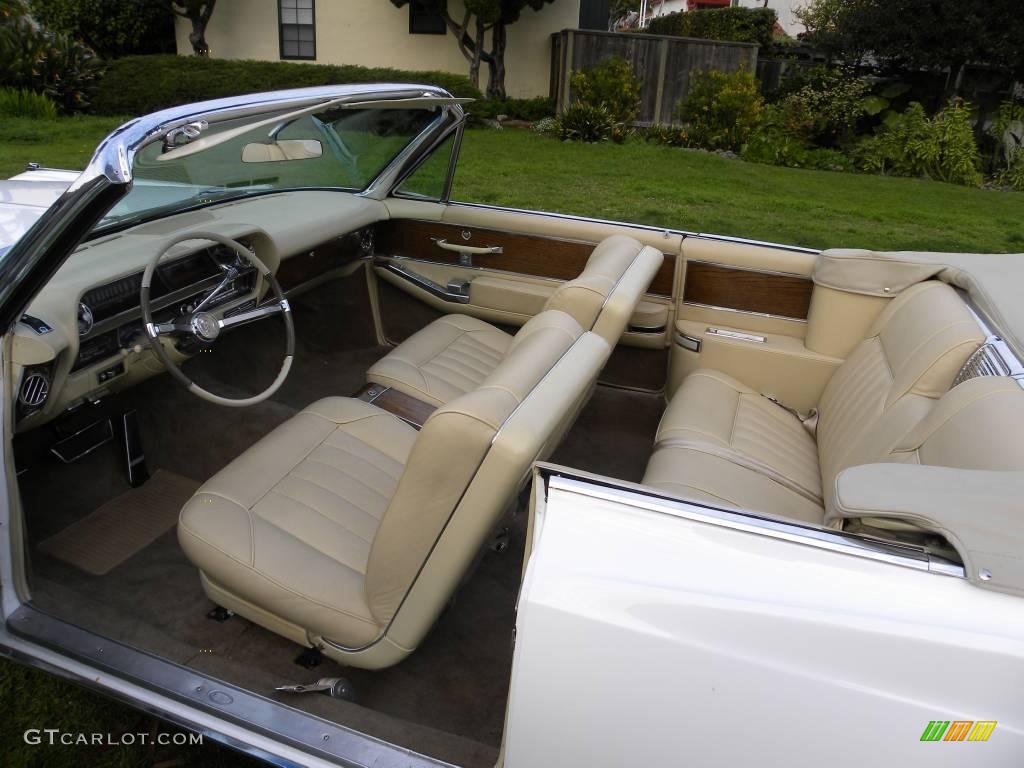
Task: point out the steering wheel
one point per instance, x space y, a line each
206 327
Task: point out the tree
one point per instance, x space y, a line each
111 28
484 21
910 35
198 12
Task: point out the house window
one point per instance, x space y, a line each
298 29
425 17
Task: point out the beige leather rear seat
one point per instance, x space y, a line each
455 353
722 442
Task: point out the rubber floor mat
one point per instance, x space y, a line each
123 526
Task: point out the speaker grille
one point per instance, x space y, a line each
34 389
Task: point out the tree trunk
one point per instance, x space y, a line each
198 38
474 61
496 62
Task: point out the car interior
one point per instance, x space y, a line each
368 519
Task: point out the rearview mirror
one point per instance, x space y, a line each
282 149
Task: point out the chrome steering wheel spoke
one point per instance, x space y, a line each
258 313
206 327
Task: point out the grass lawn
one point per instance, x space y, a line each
662 186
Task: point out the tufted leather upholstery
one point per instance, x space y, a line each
722 441
346 528
455 353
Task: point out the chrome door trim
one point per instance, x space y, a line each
842 542
767 315
758 270
666 231
424 283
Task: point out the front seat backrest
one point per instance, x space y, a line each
585 296
892 379
445 504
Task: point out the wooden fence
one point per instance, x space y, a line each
661 62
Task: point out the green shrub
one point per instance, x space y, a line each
826 109
17 102
1013 176
35 59
139 84
111 27
742 25
581 121
611 83
912 144
546 126
1008 145
528 110
670 135
721 109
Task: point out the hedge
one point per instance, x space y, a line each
741 25
136 85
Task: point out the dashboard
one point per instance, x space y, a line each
82 338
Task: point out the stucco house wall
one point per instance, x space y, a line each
374 33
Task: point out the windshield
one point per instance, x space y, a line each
342 149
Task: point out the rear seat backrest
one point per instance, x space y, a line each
979 424
585 296
890 381
447 455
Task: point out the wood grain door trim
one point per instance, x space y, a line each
537 255
741 289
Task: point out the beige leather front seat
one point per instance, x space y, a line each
456 353
723 442
347 530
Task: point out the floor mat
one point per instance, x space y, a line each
123 526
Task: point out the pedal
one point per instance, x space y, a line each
138 473
83 442
310 658
219 614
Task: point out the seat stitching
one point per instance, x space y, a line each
455 371
386 457
285 588
749 463
348 503
347 474
329 519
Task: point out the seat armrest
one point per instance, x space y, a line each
980 512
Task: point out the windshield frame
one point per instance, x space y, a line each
115 156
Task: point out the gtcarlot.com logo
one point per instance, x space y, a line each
55 736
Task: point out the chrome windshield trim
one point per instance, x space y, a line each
906 555
113 158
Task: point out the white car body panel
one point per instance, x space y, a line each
646 638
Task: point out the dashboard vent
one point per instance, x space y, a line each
34 389
986 361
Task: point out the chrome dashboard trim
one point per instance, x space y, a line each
841 542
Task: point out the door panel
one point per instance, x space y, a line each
523 258
742 309
527 254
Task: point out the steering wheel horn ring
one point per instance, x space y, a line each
207 327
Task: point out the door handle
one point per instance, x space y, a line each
442 243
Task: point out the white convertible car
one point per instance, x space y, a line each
305 456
